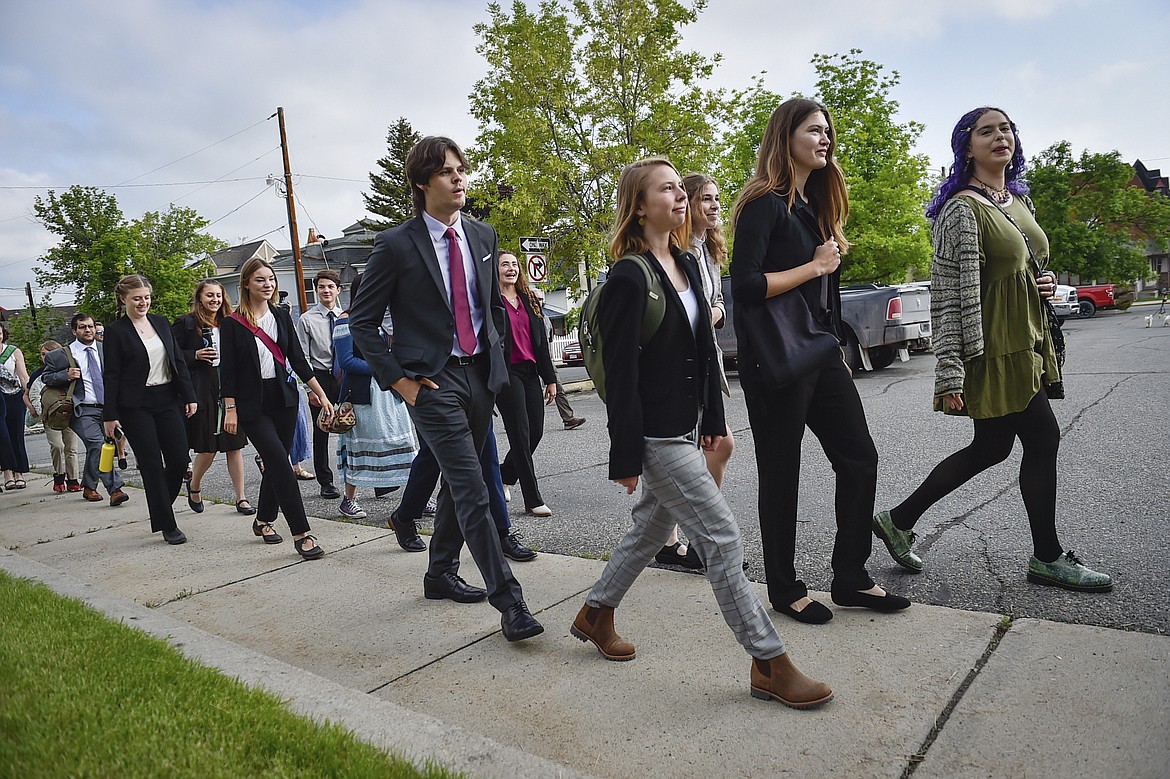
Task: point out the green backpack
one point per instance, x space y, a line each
589 334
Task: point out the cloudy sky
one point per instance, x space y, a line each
152 100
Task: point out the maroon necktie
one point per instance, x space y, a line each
459 303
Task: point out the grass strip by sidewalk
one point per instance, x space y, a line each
82 695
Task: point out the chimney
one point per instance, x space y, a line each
313 235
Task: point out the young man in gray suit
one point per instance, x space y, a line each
88 402
437 274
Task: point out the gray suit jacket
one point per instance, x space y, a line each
403 275
56 373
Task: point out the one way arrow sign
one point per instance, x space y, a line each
534 244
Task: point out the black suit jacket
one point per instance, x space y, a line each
544 363
126 365
239 375
658 390
204 375
403 275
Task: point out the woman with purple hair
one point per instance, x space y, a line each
993 344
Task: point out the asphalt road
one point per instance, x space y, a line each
1112 493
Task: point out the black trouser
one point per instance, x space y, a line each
272 434
323 453
1039 432
157 429
827 402
454 421
521 406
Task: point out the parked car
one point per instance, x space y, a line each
1064 301
881 323
1091 298
571 355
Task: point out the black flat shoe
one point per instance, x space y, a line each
815 613
174 537
258 529
669 555
196 507
244 507
888 602
309 554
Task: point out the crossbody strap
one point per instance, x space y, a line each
1015 224
8 350
264 338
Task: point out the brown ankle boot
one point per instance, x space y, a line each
778 679
595 623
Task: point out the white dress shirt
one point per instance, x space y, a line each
438 232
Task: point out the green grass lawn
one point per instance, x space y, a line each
83 696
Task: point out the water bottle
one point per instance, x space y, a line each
106 464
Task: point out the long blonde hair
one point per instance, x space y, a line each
715 240
247 272
775 171
125 285
628 235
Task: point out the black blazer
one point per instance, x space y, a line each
656 391
204 376
403 275
239 373
544 363
125 365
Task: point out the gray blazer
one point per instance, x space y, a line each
403 275
56 373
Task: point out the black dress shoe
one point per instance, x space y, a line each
450 586
813 614
406 531
518 623
380 491
887 602
330 492
174 536
514 550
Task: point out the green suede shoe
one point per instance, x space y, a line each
897 541
1068 572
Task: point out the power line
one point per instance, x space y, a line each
230 172
164 184
237 208
192 154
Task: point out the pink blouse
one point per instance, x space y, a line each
521 331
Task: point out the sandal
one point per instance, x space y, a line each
20 485
244 507
196 507
266 532
302 474
10 484
309 554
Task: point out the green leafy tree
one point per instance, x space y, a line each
746 116
574 92
29 333
1098 225
98 246
888 183
390 195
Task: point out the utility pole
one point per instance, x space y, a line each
32 307
292 216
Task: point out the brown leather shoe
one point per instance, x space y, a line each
595 623
91 495
779 680
117 498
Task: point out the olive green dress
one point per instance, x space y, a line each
1017 346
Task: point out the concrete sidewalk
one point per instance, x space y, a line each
350 638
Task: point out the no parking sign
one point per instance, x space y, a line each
537 267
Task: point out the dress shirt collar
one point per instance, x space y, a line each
324 312
438 230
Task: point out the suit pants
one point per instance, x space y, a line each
424 475
87 424
827 402
677 489
323 455
454 421
272 433
521 405
157 429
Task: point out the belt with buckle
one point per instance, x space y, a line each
472 360
91 405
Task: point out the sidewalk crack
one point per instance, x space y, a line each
940 722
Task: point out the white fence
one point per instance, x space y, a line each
557 346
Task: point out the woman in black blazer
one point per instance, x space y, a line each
532 383
664 401
147 393
261 398
205 433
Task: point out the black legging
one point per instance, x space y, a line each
272 433
1038 431
521 405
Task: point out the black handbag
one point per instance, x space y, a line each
787 341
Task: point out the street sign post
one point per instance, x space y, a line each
537 267
533 244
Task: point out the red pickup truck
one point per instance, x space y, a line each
1092 298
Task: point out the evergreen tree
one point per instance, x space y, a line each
390 197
